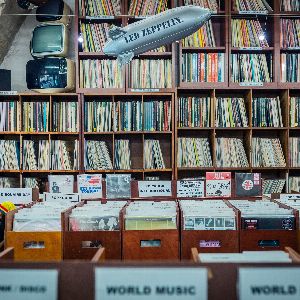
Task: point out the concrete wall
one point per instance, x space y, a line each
19 52
10 22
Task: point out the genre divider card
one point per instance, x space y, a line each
17 284
269 283
151 283
190 188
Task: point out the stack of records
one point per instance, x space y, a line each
150 215
97 156
193 152
207 215
264 215
230 152
95 216
44 216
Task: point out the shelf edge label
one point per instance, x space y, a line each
21 284
269 283
151 283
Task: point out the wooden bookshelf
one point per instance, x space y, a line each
21 135
221 23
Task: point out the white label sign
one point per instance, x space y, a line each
90 186
155 188
28 284
190 188
289 196
151 283
16 195
269 283
61 197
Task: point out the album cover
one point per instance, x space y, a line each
248 184
61 184
118 186
218 184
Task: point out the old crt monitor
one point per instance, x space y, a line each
54 11
50 75
49 39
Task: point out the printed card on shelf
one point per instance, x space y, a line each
248 184
57 197
155 188
190 188
90 186
218 184
16 195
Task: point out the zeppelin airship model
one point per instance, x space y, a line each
155 31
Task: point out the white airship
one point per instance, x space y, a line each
155 31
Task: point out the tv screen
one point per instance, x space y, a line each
53 10
50 73
48 39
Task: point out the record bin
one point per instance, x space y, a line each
33 246
85 244
209 241
263 239
161 244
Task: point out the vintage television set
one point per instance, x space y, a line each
49 39
54 11
50 75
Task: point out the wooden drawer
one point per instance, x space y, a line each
50 243
135 241
259 239
209 241
77 244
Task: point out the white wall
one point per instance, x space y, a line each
19 52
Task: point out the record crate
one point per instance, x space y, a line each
34 245
293 255
85 244
161 244
209 241
263 239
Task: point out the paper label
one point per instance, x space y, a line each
90 186
16 195
62 197
144 90
251 84
155 188
269 283
190 188
8 93
209 244
99 17
289 196
151 283
28 284
251 12
250 48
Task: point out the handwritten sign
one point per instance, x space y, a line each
156 188
218 184
72 197
90 186
16 284
190 188
16 195
269 283
151 283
